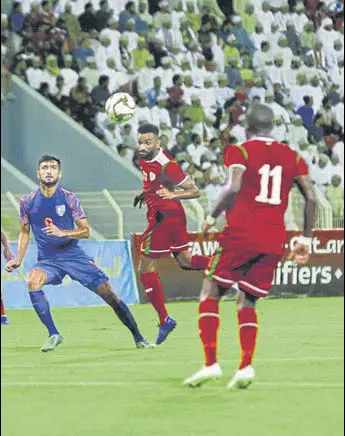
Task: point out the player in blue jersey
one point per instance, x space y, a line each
58 221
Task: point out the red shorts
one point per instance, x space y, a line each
252 271
169 235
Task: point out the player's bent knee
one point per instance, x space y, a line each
183 260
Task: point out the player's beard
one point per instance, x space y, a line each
149 155
50 183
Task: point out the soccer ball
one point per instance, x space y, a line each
120 107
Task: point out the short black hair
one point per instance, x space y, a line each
148 128
47 158
306 99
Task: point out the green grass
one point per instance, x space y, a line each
97 383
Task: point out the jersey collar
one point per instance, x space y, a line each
157 156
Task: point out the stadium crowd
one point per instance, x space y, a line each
193 72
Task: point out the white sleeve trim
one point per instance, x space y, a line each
181 183
237 165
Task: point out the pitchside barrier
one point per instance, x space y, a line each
114 257
322 276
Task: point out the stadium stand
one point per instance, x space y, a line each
193 71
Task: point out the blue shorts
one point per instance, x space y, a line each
77 264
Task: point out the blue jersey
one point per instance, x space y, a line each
63 209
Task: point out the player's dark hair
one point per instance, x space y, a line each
49 157
148 128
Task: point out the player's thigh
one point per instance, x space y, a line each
83 269
45 272
147 264
156 240
36 279
257 281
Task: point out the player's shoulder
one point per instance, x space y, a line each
66 193
28 198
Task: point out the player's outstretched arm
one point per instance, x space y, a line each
81 232
188 191
23 242
300 251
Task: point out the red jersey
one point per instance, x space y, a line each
162 171
257 217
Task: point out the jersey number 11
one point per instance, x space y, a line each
274 196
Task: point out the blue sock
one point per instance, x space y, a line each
126 317
41 305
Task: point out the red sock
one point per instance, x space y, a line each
3 313
248 324
154 291
199 262
208 329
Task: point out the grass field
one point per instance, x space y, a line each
97 383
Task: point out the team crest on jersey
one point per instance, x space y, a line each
61 209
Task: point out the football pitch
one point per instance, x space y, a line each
97 383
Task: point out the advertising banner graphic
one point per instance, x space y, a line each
322 276
113 257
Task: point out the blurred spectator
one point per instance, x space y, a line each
140 54
128 14
103 15
279 131
330 124
196 150
243 40
233 73
321 172
297 132
196 111
83 51
126 153
307 112
293 38
90 73
87 19
249 19
70 76
335 195
100 93
308 37
72 24
175 99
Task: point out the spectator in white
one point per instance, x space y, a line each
265 15
146 76
131 35
126 55
274 73
274 35
213 190
159 114
321 172
166 73
70 76
223 92
338 111
209 130
218 55
176 14
208 94
309 152
143 12
258 90
326 34
142 113
300 90
335 195
199 72
297 132
161 14
90 72
277 109
34 74
263 57
126 153
284 51
332 54
117 79
338 149
281 16
259 36
308 67
279 131
196 150
299 17
188 89
103 53
113 34
112 135
337 74
290 73
239 130
169 35
337 167
177 57
317 93
51 70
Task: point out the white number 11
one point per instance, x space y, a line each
276 174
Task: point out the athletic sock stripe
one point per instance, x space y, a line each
249 324
203 315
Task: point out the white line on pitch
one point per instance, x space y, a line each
277 384
170 362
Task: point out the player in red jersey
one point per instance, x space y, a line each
165 184
8 256
261 174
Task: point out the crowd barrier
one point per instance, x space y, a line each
322 276
114 257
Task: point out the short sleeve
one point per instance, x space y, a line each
236 156
76 208
24 214
174 174
302 168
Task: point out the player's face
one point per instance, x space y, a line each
48 173
148 144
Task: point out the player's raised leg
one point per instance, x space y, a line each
190 262
209 321
36 280
248 329
154 290
123 312
4 319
